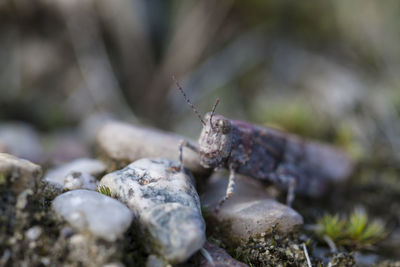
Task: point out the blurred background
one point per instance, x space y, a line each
326 70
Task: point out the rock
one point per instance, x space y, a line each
165 204
121 143
219 257
84 165
80 180
103 216
18 174
250 211
22 140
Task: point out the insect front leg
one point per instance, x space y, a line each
188 144
230 189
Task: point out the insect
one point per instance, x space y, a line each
294 164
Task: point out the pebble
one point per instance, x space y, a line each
250 211
165 203
80 180
120 144
85 166
34 232
103 216
219 257
18 174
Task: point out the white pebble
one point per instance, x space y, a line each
103 216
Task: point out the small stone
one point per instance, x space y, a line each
121 143
33 233
219 257
23 198
80 180
165 203
84 165
250 211
103 216
18 174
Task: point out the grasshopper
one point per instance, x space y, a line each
289 161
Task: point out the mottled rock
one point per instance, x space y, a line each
250 211
103 216
121 143
18 174
220 258
84 165
165 203
21 140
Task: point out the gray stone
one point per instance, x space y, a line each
165 203
101 215
59 174
18 174
120 144
219 257
250 211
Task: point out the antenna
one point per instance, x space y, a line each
188 101
213 111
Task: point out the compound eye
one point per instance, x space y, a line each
225 126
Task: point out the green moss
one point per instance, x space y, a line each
332 226
3 179
104 190
357 231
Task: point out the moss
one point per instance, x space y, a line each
358 231
3 179
104 190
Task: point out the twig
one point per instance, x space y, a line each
330 243
207 256
306 253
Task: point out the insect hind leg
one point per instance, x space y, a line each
284 178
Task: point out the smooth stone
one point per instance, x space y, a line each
18 174
21 140
84 165
220 258
165 203
250 211
120 144
80 180
101 215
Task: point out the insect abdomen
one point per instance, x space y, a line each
256 151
